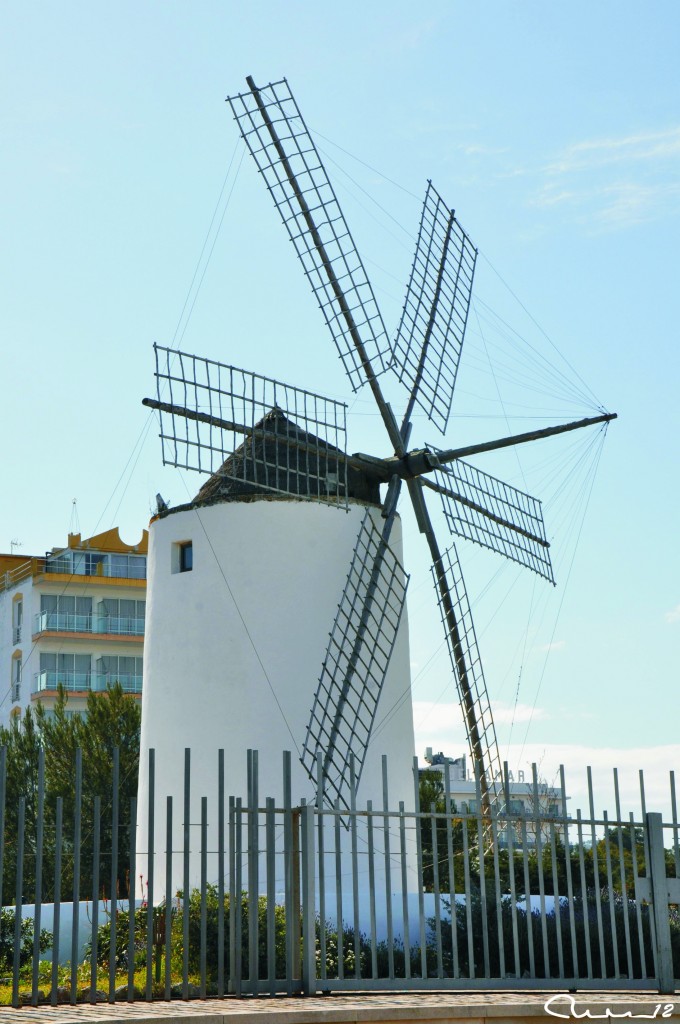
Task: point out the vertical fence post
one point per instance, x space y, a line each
220 872
57 900
662 928
204 896
38 877
288 869
96 851
186 851
132 899
168 896
76 875
234 897
3 788
150 856
114 875
308 905
253 871
18 899
295 897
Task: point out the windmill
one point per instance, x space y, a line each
253 432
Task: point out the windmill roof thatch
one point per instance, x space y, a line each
280 457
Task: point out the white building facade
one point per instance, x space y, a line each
74 618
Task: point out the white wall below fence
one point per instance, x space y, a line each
330 916
66 924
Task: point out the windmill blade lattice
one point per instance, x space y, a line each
430 336
357 659
276 135
250 429
468 672
483 509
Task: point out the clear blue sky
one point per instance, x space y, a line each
554 130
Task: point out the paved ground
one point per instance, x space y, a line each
440 1007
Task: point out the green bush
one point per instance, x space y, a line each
25 943
547 938
122 940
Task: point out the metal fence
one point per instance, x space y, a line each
265 896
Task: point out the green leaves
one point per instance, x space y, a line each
111 720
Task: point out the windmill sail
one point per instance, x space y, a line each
468 673
252 432
430 336
357 659
276 135
483 509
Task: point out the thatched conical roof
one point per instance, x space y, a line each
267 462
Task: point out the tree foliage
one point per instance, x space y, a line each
111 722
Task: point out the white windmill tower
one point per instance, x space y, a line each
246 581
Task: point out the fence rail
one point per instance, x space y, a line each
263 896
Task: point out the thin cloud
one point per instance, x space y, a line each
472 149
413 38
655 761
673 616
614 182
556 645
506 714
438 724
642 148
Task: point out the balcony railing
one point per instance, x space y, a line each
129 682
16 692
86 681
62 622
73 681
121 625
65 567
16 635
65 622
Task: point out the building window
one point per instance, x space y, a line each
124 670
121 616
17 619
182 556
186 557
70 614
131 567
16 678
73 671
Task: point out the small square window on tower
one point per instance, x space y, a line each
186 557
182 556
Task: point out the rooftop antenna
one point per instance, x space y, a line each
14 544
75 520
219 404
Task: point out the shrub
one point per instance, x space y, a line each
25 942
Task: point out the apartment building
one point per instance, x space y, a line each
74 617
545 801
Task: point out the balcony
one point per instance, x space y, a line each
65 622
84 682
